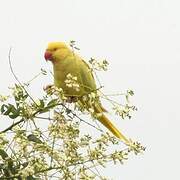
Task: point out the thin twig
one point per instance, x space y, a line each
10 127
16 78
74 114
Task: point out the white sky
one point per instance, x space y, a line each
140 39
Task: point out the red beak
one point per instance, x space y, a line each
48 55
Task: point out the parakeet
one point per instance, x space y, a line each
65 61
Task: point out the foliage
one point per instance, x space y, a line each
45 141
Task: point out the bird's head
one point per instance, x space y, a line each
56 51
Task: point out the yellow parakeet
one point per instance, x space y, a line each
65 62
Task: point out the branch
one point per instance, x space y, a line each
12 71
10 127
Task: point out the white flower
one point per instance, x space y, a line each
99 65
27 171
3 98
91 110
74 78
72 82
69 76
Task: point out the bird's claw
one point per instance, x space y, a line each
47 87
71 99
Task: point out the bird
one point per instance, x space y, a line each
68 63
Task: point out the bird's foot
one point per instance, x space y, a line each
72 99
48 87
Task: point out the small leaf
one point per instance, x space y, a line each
3 107
31 178
15 114
44 72
68 111
76 48
130 92
52 103
33 138
10 110
41 105
3 154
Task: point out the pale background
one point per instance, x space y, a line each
140 39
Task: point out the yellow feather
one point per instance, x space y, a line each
65 61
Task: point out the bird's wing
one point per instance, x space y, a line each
86 76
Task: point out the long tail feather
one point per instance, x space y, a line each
107 123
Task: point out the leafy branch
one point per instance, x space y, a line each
46 138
